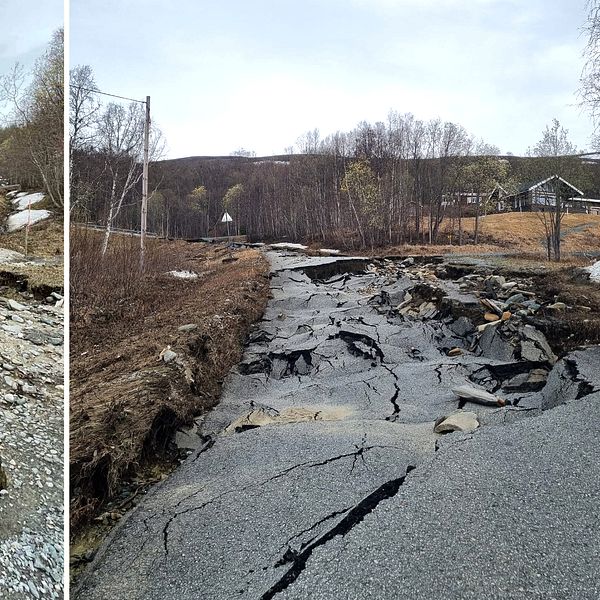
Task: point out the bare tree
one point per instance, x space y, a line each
590 79
554 142
38 115
84 112
120 141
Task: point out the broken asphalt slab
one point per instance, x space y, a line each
323 444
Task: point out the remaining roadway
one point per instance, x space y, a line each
320 475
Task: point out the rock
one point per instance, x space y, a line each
169 356
12 304
491 306
459 421
488 325
188 327
557 306
462 326
479 396
533 381
516 299
491 317
535 347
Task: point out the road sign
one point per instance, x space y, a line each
226 218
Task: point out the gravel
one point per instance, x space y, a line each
31 448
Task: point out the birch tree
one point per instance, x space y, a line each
590 79
38 115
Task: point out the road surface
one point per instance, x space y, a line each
321 476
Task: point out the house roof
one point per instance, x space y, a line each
528 187
499 187
587 200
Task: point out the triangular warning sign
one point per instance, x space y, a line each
226 218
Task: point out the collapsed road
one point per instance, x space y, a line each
320 475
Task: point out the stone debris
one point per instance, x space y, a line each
167 355
31 449
423 301
459 421
479 396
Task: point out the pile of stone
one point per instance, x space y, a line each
422 301
512 295
408 267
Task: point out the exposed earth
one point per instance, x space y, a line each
394 430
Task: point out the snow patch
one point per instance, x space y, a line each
24 218
184 274
328 252
10 256
594 272
288 246
22 202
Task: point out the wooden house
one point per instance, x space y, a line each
488 201
542 195
589 206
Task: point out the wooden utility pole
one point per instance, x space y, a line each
145 184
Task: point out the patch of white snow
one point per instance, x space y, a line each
22 202
24 218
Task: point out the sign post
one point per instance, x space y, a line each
227 219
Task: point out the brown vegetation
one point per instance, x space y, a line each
45 240
125 401
524 232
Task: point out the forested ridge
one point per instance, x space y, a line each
362 198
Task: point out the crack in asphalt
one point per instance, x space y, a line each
585 388
355 516
310 464
394 401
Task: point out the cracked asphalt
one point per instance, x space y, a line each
321 477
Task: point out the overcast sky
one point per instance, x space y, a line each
27 26
259 73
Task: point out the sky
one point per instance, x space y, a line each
257 74
27 27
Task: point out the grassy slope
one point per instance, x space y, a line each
45 240
125 401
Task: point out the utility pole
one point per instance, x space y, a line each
145 184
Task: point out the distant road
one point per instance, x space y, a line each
240 239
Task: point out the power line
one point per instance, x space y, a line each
79 87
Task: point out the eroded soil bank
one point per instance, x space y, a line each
319 473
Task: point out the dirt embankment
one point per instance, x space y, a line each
40 267
148 353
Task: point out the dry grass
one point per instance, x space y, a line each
125 402
45 239
524 232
